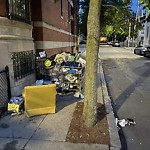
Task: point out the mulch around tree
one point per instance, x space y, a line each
79 133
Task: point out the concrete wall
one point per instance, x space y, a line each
15 37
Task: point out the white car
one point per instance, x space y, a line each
141 49
116 44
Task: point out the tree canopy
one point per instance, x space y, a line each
116 15
146 4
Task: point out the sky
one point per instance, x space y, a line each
134 5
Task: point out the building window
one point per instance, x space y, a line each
23 64
72 20
147 33
61 9
19 10
69 13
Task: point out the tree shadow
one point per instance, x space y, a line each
64 101
79 133
17 131
142 73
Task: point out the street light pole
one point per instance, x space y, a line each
129 34
136 18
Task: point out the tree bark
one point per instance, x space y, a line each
92 48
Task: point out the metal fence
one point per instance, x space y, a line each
23 64
5 92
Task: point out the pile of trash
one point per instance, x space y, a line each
123 122
65 70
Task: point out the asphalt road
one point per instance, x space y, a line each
128 79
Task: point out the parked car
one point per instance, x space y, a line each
109 42
115 44
141 49
147 52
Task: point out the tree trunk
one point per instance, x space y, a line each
92 48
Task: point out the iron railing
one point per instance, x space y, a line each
19 10
5 92
23 64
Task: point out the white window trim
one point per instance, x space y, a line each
71 3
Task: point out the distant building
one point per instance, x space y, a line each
144 33
30 26
147 33
140 38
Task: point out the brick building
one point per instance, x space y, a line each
29 26
54 25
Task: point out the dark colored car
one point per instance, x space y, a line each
141 49
115 44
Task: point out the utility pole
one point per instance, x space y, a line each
136 18
129 34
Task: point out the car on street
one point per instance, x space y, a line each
116 44
141 49
147 52
109 42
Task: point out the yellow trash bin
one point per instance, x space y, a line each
40 99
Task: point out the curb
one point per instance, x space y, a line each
114 136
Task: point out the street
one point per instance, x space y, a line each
128 80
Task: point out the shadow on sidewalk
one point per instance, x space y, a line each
64 101
142 72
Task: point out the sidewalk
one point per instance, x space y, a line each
48 132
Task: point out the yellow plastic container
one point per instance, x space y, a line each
39 100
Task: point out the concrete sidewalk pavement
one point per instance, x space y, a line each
48 132
45 132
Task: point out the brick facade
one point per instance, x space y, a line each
3 8
52 22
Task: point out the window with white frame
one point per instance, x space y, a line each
61 9
147 33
